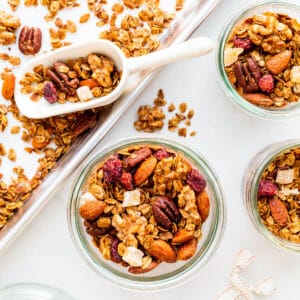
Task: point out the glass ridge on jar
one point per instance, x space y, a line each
167 275
251 180
257 7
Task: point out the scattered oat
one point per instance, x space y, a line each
11 154
193 133
182 107
8 25
182 132
84 18
118 8
2 150
15 129
171 107
13 4
190 114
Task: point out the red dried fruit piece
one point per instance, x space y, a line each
245 43
196 181
165 212
267 188
162 153
112 170
50 92
126 181
278 211
115 257
266 83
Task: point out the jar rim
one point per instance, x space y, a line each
290 111
161 281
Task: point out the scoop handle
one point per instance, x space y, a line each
192 48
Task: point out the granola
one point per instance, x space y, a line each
278 197
80 79
151 119
8 25
144 205
262 59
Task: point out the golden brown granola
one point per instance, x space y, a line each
278 199
262 59
8 25
13 4
144 205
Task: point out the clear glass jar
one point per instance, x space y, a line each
293 10
250 186
165 275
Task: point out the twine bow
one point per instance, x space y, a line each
238 288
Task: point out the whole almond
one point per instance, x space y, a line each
187 250
92 209
182 236
203 205
279 62
8 86
259 99
162 251
140 270
144 170
91 83
278 211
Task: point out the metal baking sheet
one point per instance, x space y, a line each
193 14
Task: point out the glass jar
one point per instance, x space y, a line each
165 275
250 187
293 10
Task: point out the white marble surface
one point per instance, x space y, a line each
228 137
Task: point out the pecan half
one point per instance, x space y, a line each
30 40
83 122
247 75
137 156
165 212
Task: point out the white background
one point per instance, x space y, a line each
227 137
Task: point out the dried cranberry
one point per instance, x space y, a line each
162 153
126 181
267 188
112 170
50 93
196 181
266 83
242 43
114 255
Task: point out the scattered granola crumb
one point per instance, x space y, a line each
190 114
11 154
2 150
118 8
171 107
15 129
159 100
182 132
84 18
182 107
193 133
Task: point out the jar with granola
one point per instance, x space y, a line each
271 192
147 213
259 60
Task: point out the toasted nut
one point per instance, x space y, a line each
8 86
259 99
162 251
144 170
30 40
92 209
187 250
183 236
91 83
279 62
279 211
140 270
203 205
138 156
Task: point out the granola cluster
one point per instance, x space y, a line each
278 197
80 79
151 118
262 59
8 25
144 205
